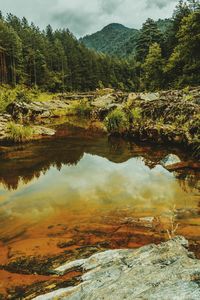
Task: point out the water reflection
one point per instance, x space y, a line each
82 189
22 164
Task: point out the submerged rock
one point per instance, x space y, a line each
170 160
165 271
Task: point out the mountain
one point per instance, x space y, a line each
117 39
112 39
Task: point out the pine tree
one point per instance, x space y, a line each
184 63
149 34
153 68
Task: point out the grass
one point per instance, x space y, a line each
136 114
18 94
116 121
82 108
22 94
60 112
19 133
43 97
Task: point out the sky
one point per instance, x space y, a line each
87 16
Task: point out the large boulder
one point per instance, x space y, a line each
166 272
104 101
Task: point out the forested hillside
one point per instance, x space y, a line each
113 40
165 54
55 60
118 40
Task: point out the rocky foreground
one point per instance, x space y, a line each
166 117
165 271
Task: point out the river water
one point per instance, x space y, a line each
82 192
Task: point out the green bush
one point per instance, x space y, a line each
136 114
18 94
82 108
19 133
116 121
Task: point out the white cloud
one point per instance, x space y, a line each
87 16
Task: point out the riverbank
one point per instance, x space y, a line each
167 117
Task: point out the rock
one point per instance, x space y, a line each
4 119
103 105
103 101
44 131
38 131
36 110
132 97
167 271
170 160
149 96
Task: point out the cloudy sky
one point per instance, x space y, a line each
87 16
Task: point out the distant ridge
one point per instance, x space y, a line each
111 39
117 39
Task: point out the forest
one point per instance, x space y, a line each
55 61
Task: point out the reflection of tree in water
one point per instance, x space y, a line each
189 181
23 164
24 168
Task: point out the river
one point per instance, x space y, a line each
81 192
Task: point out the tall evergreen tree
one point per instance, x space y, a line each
149 34
153 68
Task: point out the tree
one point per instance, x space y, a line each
153 68
181 11
194 5
149 34
11 42
184 62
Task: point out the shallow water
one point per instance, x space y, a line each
80 193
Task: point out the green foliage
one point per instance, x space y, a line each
153 68
136 114
55 61
184 62
82 108
7 96
116 121
186 90
149 34
114 39
162 54
19 133
20 93
189 98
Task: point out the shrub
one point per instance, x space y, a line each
189 98
116 121
7 96
136 114
19 93
19 133
82 108
186 90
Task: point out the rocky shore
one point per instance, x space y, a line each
166 117
38 131
165 271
